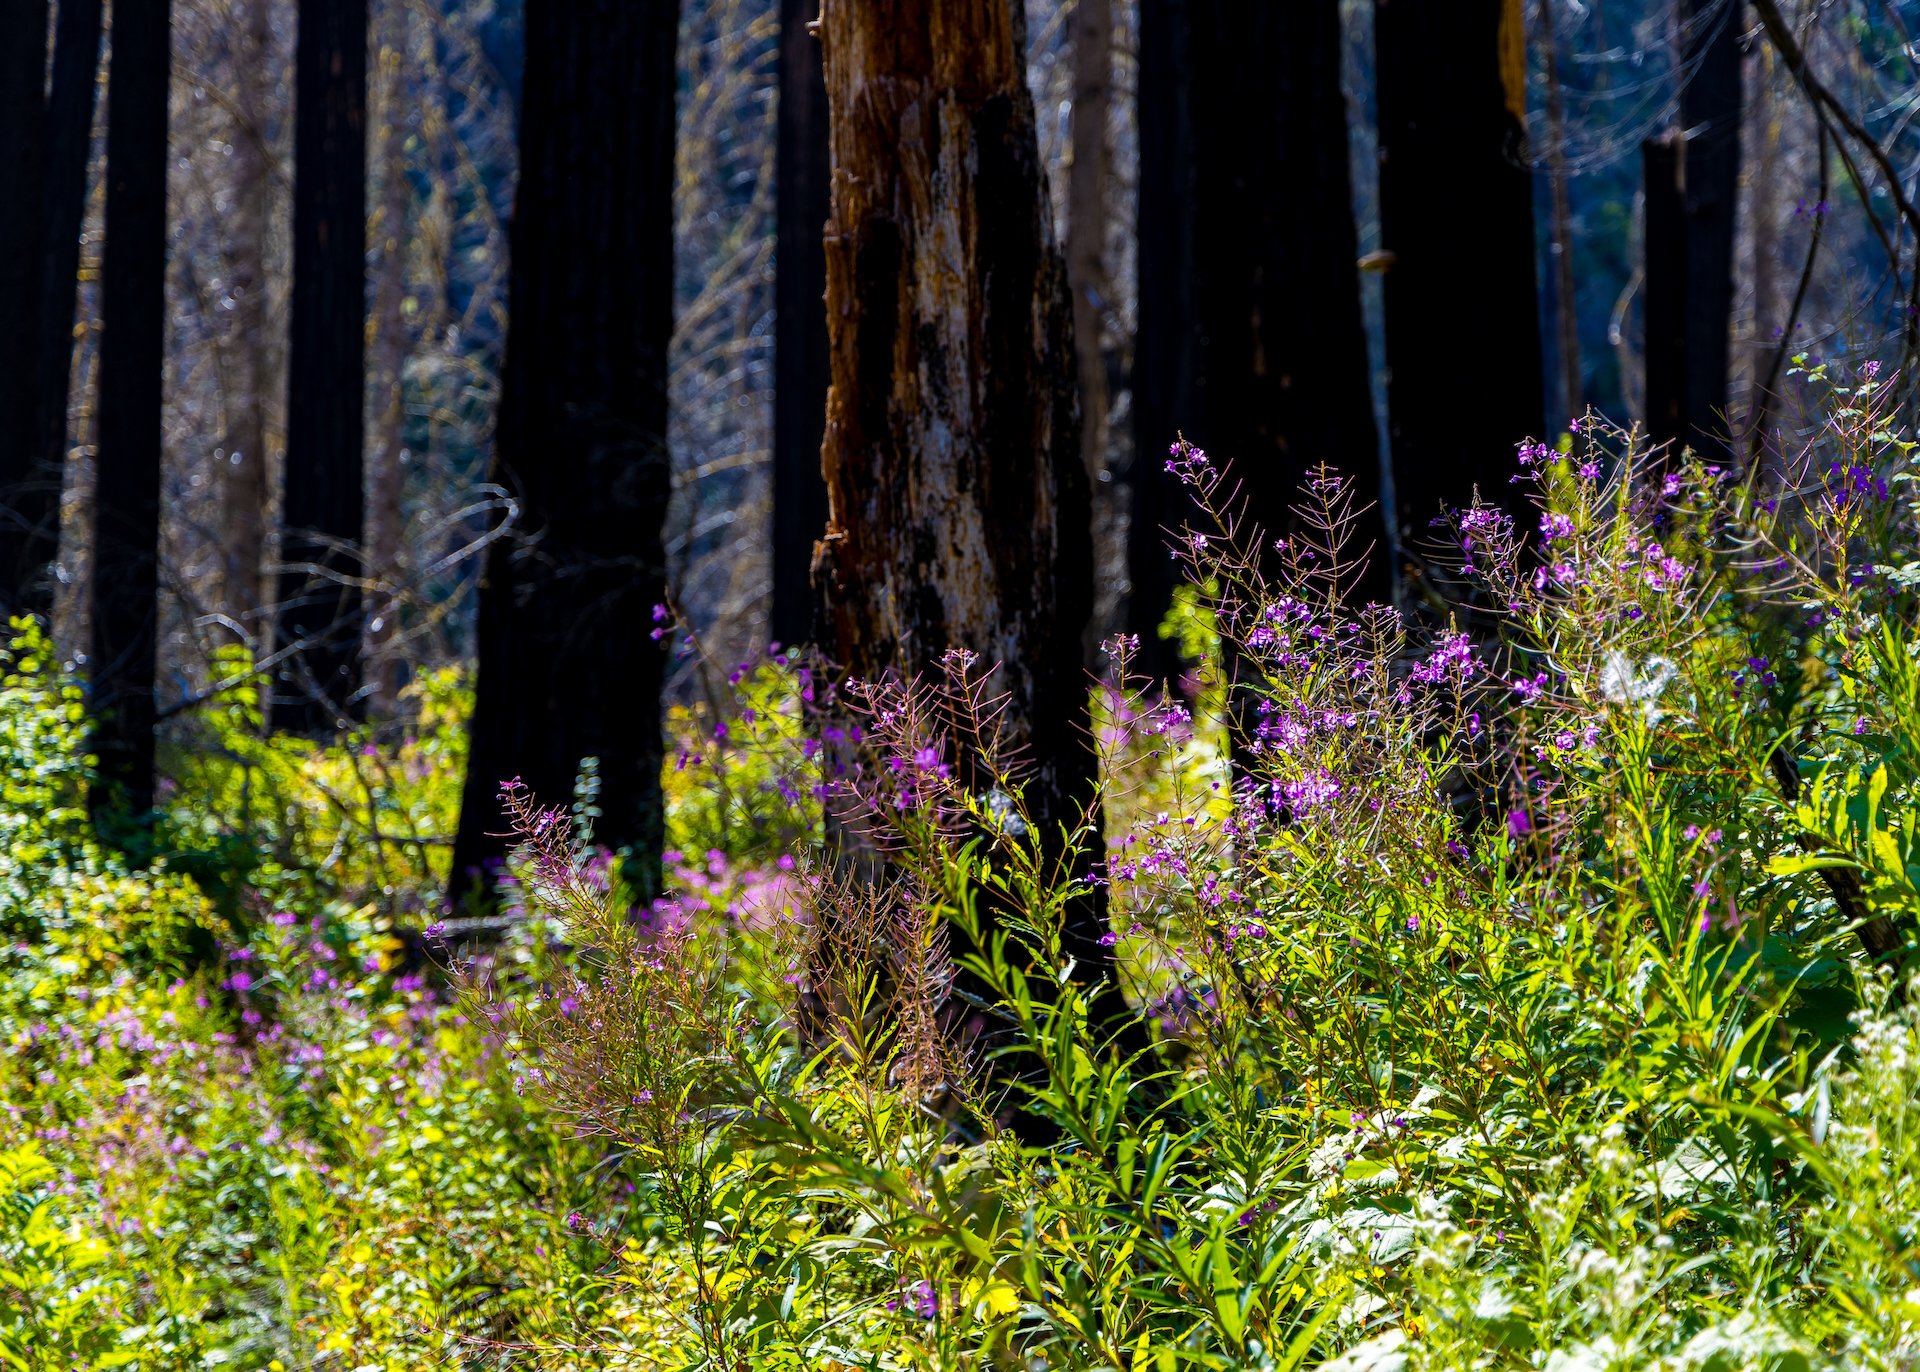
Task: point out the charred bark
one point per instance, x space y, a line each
126 539
1278 356
1087 268
1164 349
1710 104
25 543
800 362
1664 245
959 501
1566 303
324 503
70 102
244 487
1456 213
568 668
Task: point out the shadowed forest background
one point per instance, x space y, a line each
1605 87
959 684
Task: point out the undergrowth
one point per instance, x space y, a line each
1524 990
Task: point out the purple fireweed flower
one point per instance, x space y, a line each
922 1301
1311 791
1518 823
1186 461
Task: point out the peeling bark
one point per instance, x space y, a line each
959 507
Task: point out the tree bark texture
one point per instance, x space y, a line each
70 102
1710 104
244 489
568 668
126 536
323 511
25 543
1087 221
1456 212
1278 380
960 513
386 474
800 359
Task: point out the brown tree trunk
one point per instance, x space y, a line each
385 470
244 489
959 508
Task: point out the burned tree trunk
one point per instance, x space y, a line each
70 101
1709 174
800 322
126 507
568 668
1282 375
1275 362
1164 348
326 372
244 489
1664 250
25 547
1456 213
958 498
1087 268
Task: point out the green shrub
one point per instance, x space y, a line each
1532 998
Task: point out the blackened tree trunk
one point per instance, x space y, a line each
1278 354
1087 278
324 500
1664 245
23 123
800 368
960 512
127 498
1167 314
1566 303
70 99
1710 182
568 665
1456 212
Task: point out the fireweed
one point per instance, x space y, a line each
1527 991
